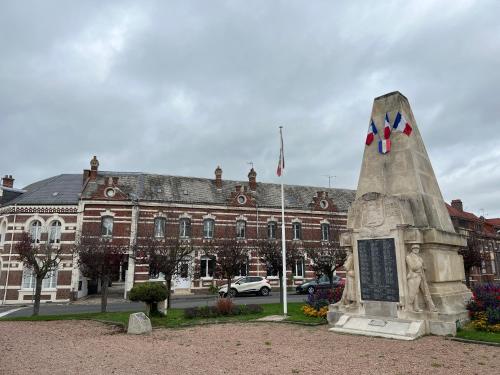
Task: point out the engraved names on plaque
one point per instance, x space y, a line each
378 270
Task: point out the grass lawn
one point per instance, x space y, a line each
175 317
470 333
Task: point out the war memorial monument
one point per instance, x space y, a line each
404 275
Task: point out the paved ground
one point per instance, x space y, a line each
86 347
116 304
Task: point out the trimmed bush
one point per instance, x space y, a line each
222 308
150 293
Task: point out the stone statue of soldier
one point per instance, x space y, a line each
349 294
416 281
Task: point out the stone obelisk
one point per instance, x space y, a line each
405 277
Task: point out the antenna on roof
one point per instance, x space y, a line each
329 179
250 163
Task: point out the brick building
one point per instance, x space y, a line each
125 206
487 231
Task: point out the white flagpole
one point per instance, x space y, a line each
283 243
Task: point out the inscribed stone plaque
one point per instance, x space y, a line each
378 270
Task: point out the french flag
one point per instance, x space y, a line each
401 125
387 127
372 131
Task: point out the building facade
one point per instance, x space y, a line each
487 233
126 207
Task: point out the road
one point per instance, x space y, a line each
177 302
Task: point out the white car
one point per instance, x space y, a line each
247 285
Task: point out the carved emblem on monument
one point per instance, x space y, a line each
373 215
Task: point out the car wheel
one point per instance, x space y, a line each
264 291
310 290
233 293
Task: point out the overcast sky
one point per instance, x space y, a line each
179 87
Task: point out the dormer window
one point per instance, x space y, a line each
110 193
242 199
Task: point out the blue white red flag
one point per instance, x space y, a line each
401 125
384 146
387 127
281 162
372 131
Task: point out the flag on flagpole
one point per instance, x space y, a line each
387 127
401 125
281 162
372 131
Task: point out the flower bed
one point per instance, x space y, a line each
317 303
223 307
484 307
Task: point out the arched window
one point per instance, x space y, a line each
107 226
298 268
208 228
160 227
55 232
207 266
35 231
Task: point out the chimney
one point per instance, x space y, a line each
8 181
218 177
94 165
252 179
457 204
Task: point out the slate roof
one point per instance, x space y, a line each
194 190
67 186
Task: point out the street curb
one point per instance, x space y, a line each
477 342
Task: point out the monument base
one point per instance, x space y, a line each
380 327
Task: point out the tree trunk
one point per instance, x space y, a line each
169 284
228 286
104 294
38 294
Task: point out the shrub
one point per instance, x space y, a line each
484 307
150 293
254 309
324 297
225 306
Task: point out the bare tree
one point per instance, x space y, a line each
472 254
270 253
97 258
165 255
230 254
41 259
326 256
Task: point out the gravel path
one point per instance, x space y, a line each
86 347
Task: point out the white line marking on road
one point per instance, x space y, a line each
10 311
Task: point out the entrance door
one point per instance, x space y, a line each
183 280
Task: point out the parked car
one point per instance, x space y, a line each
323 282
247 285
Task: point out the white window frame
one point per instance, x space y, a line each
208 228
106 231
3 232
29 280
299 265
323 232
269 225
160 224
241 229
184 227
35 231
206 259
297 230
55 229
